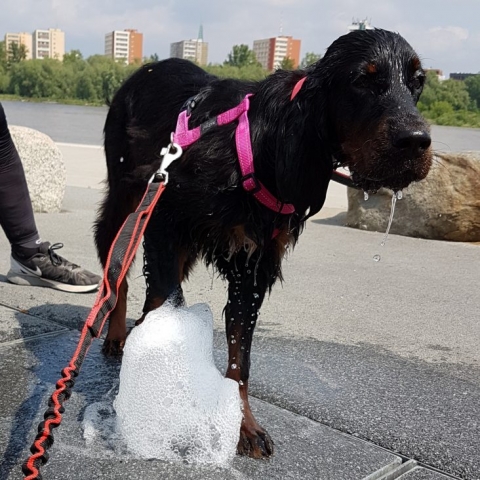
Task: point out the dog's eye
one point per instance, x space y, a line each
361 81
417 81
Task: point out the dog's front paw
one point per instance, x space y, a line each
254 442
113 348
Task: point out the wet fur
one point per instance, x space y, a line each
356 108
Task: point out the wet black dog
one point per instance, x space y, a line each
356 108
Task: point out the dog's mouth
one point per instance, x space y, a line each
395 182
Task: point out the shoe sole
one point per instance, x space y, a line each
29 280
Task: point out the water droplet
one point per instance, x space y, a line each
238 275
365 196
240 382
232 336
399 195
233 366
252 322
121 159
233 341
376 258
256 295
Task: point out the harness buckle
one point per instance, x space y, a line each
256 188
169 154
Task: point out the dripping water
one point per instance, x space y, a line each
396 196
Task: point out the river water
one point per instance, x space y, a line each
84 125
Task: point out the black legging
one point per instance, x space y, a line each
16 213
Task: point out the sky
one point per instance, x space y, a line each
445 33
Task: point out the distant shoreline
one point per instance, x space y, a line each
70 101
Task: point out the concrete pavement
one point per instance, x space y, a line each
359 369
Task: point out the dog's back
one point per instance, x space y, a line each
141 117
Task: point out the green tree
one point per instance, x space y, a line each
309 58
287 64
473 88
151 58
3 54
73 56
241 56
16 53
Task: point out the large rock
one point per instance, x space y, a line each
44 168
444 206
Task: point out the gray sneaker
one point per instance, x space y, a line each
48 269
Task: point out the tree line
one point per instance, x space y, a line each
95 79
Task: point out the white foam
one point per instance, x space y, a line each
173 403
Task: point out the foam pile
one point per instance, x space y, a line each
173 403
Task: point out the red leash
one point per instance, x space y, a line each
121 255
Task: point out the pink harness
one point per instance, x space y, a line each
184 137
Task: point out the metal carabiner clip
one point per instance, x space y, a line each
169 154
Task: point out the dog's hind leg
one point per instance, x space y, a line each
248 283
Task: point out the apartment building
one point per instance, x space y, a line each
135 51
23 38
195 50
125 45
48 44
270 52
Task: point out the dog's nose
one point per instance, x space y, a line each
412 139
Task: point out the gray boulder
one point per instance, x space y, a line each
44 168
444 206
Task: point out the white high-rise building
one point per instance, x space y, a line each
195 50
117 45
24 39
125 45
48 44
360 25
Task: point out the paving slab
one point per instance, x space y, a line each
16 325
420 473
304 448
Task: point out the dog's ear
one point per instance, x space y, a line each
303 157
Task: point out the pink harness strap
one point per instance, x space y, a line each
184 137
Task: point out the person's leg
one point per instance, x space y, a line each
16 213
33 262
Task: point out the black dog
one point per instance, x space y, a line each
355 107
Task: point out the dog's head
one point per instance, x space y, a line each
373 80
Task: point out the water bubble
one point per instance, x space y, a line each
233 366
233 341
376 258
365 196
249 271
